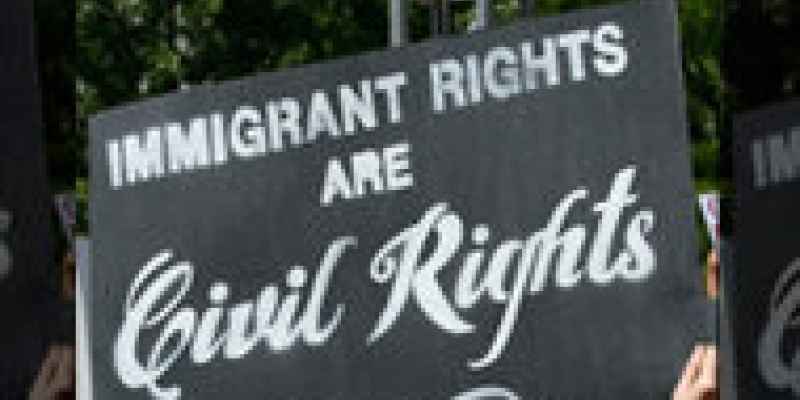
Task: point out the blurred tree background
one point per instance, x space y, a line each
127 50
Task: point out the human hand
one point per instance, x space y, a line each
56 376
712 274
699 378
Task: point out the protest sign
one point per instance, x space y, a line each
508 213
766 288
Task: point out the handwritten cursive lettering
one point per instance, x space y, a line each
487 392
277 322
515 268
778 372
416 279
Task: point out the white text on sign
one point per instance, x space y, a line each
515 269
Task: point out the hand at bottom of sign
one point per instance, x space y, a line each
56 379
699 378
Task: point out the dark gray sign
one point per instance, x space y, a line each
766 294
504 214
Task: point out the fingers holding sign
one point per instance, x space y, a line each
699 378
56 376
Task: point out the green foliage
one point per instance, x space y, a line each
702 30
130 49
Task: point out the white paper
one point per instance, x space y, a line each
709 205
